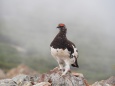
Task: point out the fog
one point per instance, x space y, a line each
90 23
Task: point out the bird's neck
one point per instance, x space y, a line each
62 32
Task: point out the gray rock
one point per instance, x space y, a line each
25 80
19 80
111 80
54 77
108 82
43 84
7 82
2 74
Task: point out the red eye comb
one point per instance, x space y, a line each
61 24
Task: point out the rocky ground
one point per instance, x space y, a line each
25 76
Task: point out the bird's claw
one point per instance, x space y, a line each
62 70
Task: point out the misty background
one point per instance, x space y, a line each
27 28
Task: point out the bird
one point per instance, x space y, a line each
64 51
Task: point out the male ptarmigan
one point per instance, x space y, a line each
63 50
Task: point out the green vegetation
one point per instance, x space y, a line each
10 57
40 64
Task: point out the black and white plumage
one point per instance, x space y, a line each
63 50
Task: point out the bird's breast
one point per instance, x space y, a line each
56 52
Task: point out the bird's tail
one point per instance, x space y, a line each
75 64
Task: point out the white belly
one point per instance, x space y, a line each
60 53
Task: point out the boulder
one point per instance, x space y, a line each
20 80
21 69
7 82
25 80
108 82
2 74
54 77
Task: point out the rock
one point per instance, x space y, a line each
20 80
111 80
100 84
43 84
21 69
25 80
78 74
2 74
108 82
7 82
54 77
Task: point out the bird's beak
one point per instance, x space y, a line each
57 26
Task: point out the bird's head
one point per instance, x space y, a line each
62 27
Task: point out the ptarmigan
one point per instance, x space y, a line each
63 50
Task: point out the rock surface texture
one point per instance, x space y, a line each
2 74
52 78
21 69
108 82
